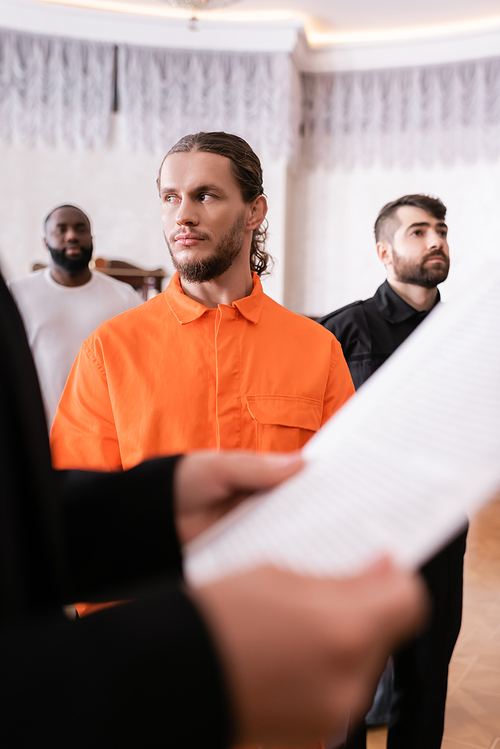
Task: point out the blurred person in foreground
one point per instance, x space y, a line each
267 656
61 305
412 243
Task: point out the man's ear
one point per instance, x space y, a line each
257 214
384 252
45 243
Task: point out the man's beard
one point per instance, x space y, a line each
207 268
71 264
419 274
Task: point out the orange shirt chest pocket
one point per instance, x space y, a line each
284 422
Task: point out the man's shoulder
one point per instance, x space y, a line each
27 280
30 289
131 322
294 319
116 287
344 315
350 326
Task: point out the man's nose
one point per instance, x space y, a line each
434 239
71 235
187 214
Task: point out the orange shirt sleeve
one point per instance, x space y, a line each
339 386
83 433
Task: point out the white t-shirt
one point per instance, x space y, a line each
59 318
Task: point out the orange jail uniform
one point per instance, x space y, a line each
172 376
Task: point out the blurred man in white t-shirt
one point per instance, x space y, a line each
63 304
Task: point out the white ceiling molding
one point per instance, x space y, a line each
377 49
146 31
393 53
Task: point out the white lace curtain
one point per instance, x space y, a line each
59 92
164 94
440 113
55 92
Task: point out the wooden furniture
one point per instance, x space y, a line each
146 282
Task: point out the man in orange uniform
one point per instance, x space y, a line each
212 362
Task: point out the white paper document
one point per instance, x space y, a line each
397 469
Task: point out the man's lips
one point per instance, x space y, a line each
188 239
435 259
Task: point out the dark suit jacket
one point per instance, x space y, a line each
140 675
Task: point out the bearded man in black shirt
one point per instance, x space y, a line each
411 237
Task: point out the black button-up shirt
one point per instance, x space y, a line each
371 330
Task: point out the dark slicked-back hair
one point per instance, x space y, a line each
247 171
66 205
387 223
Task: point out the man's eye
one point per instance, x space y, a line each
205 196
169 198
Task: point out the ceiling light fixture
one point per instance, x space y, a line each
197 5
194 6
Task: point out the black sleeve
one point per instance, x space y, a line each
65 536
118 529
350 328
139 675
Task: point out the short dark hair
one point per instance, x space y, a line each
247 171
386 223
66 205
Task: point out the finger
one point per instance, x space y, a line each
402 605
252 471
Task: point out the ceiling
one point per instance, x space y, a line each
323 34
356 15
340 17
362 15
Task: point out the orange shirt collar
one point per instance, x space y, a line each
187 310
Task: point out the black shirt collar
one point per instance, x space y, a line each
393 308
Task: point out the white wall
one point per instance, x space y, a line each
331 257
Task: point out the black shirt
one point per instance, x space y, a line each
371 330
